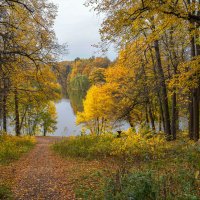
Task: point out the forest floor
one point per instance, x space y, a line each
42 174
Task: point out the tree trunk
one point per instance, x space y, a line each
45 132
5 106
161 112
160 123
146 112
1 92
196 113
17 122
130 121
196 97
152 118
164 96
98 126
194 104
174 116
1 105
191 110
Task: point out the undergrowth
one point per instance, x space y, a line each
11 147
147 167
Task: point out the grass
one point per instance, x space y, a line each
146 167
11 148
88 147
5 193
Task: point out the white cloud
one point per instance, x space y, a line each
79 27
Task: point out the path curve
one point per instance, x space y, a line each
41 174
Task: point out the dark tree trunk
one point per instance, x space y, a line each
1 104
160 123
146 112
191 109
190 122
17 122
163 89
161 112
130 121
5 106
174 116
1 91
152 118
4 114
196 96
194 104
45 132
98 126
196 113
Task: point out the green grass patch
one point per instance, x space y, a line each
91 186
5 193
86 146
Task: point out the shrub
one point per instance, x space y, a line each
137 146
148 185
135 186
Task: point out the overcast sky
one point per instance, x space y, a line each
79 27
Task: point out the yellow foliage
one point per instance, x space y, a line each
136 144
12 147
98 107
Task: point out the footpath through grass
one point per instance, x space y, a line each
11 149
142 167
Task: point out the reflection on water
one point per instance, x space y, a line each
66 125
67 109
76 99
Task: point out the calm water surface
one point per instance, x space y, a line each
66 119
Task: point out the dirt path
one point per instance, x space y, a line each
42 175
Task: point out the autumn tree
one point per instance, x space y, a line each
28 48
157 37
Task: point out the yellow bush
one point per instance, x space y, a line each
133 144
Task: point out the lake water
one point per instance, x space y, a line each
66 119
